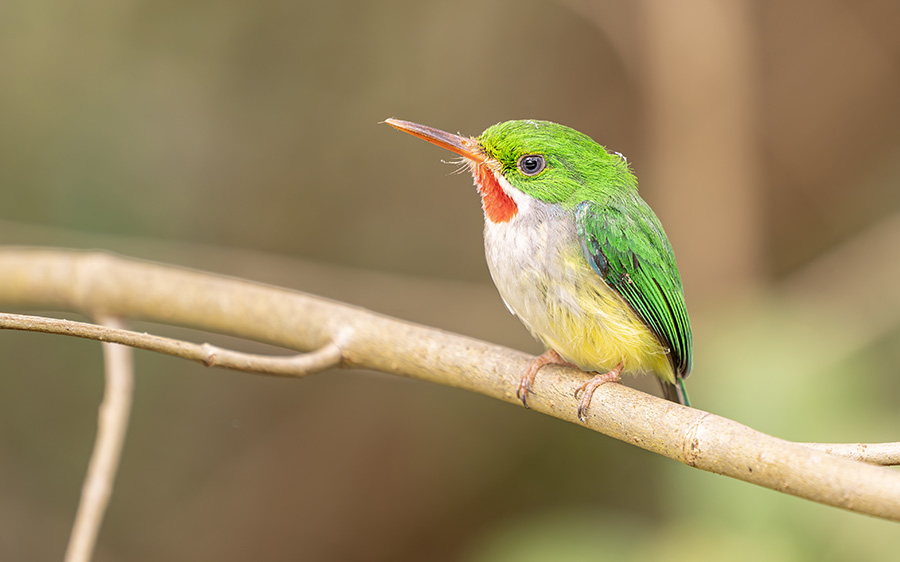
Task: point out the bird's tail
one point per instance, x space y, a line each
675 392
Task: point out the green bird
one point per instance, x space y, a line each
576 254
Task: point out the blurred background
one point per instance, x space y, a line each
244 138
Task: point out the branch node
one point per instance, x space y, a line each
210 354
690 442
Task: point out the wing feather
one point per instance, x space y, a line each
626 245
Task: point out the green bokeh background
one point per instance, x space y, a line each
243 138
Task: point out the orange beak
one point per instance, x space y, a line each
464 146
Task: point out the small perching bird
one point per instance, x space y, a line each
576 254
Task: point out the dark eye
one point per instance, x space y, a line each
531 164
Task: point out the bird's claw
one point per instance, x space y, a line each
524 390
582 413
587 389
547 358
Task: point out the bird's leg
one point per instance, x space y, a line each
587 389
549 357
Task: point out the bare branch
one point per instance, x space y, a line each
885 454
112 424
299 365
326 357
99 282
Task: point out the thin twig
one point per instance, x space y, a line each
297 365
112 424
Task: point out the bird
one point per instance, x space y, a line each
576 254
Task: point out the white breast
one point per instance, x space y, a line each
531 261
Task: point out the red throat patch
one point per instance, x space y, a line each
497 205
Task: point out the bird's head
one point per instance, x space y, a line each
516 161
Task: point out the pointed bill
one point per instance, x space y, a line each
464 146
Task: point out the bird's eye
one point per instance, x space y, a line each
531 164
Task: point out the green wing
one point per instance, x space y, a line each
625 243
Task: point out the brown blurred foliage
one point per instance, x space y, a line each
764 134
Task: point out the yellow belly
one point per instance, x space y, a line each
601 331
574 312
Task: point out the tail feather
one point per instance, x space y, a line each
675 392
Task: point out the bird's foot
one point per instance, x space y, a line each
547 358
587 389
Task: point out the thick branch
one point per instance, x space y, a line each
103 283
300 365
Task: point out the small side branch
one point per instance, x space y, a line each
112 424
299 365
884 454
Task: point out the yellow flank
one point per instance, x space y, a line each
591 325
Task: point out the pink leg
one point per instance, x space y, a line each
587 389
547 358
